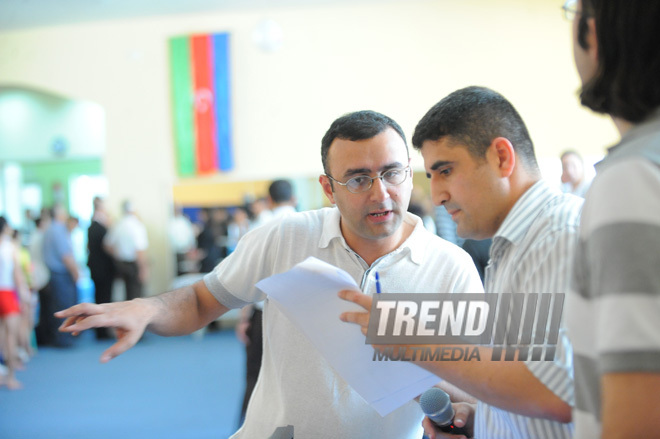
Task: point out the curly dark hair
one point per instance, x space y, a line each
626 82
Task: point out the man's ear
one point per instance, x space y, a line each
592 40
503 156
326 184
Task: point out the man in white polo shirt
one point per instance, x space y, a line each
127 242
367 176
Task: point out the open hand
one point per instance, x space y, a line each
128 319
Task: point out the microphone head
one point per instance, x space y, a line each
435 404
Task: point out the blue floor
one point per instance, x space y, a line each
181 387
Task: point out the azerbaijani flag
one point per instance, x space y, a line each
202 112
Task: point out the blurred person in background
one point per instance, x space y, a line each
281 199
212 240
30 224
420 205
573 178
479 251
41 281
445 226
60 260
182 237
13 290
127 242
238 225
260 212
99 260
40 274
282 202
27 301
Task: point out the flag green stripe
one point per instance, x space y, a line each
182 94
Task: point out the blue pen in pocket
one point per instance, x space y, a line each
377 283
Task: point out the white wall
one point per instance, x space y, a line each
80 124
397 58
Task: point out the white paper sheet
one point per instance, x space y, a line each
307 294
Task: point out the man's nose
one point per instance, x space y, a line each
439 194
379 191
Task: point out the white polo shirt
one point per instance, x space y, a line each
297 388
127 237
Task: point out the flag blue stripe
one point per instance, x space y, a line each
222 100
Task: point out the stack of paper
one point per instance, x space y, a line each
307 294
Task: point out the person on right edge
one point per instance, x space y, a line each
613 315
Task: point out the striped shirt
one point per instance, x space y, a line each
532 252
613 311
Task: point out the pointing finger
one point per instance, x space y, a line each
82 309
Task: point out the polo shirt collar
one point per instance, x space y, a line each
331 228
416 247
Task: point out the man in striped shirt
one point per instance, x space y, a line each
481 162
613 316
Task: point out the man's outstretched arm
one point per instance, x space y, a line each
177 312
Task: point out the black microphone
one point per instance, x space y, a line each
435 404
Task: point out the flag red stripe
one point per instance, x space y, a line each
204 109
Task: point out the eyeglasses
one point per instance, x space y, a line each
362 183
570 10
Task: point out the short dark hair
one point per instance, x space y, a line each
474 116
3 224
360 125
280 191
626 82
